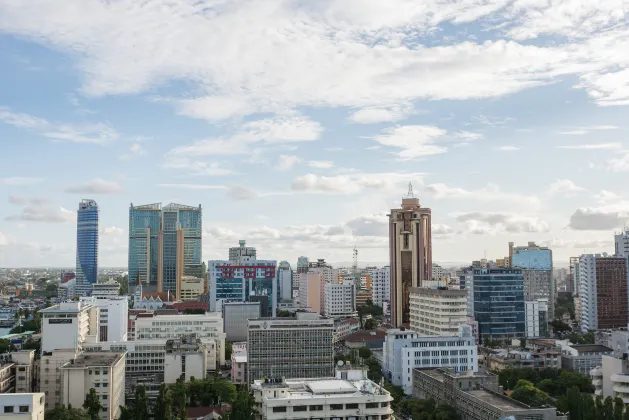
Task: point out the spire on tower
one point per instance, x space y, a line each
410 190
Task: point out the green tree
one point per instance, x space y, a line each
6 346
282 313
66 413
92 404
141 405
242 408
229 348
364 352
125 413
370 324
180 399
163 405
526 393
194 311
619 407
522 343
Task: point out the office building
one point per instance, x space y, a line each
380 284
536 317
573 276
241 278
475 397
86 246
106 289
50 366
410 254
68 325
236 316
285 281
22 406
290 348
437 311
348 395
582 358
312 291
496 301
611 378
603 292
103 371
164 245
24 367
621 243
405 350
185 358
191 288
302 264
340 299
537 269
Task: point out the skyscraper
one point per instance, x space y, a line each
536 263
86 246
621 243
410 253
164 245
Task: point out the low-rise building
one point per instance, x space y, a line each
343 327
239 363
191 288
348 395
517 359
583 358
22 406
185 358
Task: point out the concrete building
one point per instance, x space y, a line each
285 280
380 284
536 263
340 299
290 348
475 397
22 406
113 315
362 297
410 254
348 395
343 327
191 288
7 377
405 350
235 318
438 271
437 311
516 359
25 374
49 374
603 292
621 243
185 358
312 291
583 358
106 289
611 378
242 253
536 317
103 371
239 364
68 325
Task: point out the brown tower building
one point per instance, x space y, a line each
410 254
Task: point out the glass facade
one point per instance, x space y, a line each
231 282
87 243
533 259
496 298
144 224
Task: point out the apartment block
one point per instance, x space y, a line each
380 284
340 299
437 311
22 406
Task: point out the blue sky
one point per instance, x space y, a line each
297 125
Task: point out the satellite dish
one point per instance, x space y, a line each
340 363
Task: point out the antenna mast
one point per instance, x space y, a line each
355 267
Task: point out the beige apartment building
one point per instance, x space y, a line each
438 311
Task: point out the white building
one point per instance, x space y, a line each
438 271
621 243
536 318
285 280
437 311
185 358
103 371
340 299
24 370
404 350
50 374
113 316
380 284
22 406
611 378
68 325
349 395
107 289
66 290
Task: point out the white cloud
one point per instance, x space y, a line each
321 164
352 183
240 192
98 133
43 213
490 193
373 115
19 181
508 148
593 146
563 187
135 150
619 163
606 217
5 239
196 167
286 162
414 140
573 132
494 222
96 186
193 186
112 230
605 196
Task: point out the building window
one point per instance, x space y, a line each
279 409
301 408
8 409
372 405
336 406
24 409
351 406
316 408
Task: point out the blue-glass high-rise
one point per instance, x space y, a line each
144 227
87 245
496 300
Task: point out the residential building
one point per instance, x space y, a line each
86 246
582 358
290 348
25 375
113 316
603 292
239 364
68 325
405 350
343 327
380 284
103 371
340 299
312 291
438 271
437 311
236 316
517 359
536 317
621 243
164 245
106 289
22 406
536 263
372 339
285 281
241 278
475 397
410 254
50 366
302 264
611 378
185 358
348 395
7 376
191 288
496 301
362 297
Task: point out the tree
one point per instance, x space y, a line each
522 343
194 311
282 313
370 324
5 346
242 408
364 352
229 348
141 406
66 413
180 399
125 413
619 407
526 393
92 404
164 404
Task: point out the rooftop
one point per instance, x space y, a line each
323 387
591 348
95 359
496 400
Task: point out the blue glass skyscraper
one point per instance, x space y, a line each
86 246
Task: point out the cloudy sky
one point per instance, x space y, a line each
297 124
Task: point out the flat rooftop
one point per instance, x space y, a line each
503 403
324 387
591 348
95 360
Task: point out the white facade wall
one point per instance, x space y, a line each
22 406
438 271
340 299
532 311
587 292
50 374
621 243
195 366
68 325
284 280
113 316
380 284
437 312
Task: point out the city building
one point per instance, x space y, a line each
362 297
22 406
603 292
573 277
106 289
621 243
536 263
66 290
103 371
380 284
312 291
86 246
437 311
302 264
185 358
348 395
496 301
7 376
239 364
517 359
583 358
611 378
290 348
113 314
438 271
191 288
164 245
50 366
236 316
405 350
340 299
536 318
343 327
285 280
68 325
410 254
475 397
241 278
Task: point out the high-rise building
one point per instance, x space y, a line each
438 311
496 301
302 264
621 243
536 263
340 299
86 246
235 319
603 291
285 281
312 292
242 253
536 316
410 254
164 245
380 284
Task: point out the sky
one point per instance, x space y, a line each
298 124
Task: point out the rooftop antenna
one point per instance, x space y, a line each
355 266
410 190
